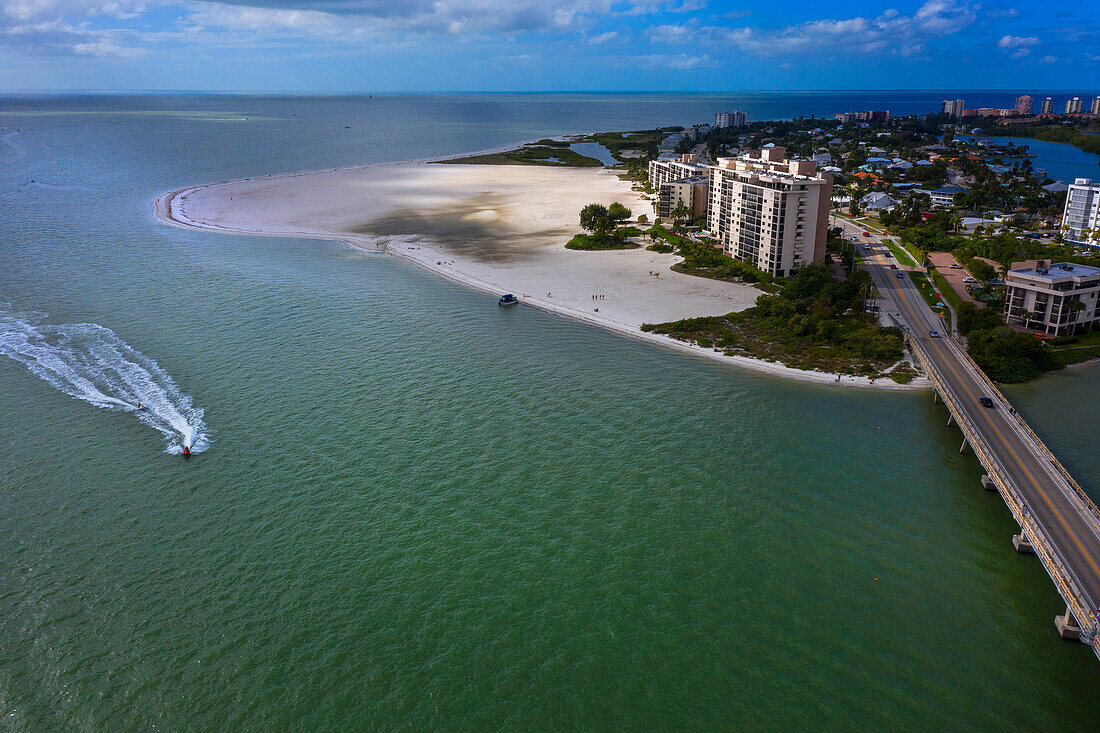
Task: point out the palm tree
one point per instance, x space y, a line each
1074 307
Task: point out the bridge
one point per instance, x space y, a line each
1058 521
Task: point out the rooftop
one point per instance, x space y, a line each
1059 270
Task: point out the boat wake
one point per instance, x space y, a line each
89 362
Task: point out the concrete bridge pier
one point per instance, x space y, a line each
950 417
1022 543
964 444
1067 626
988 484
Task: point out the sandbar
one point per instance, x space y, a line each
497 229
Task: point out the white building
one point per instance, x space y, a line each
878 201
663 170
1047 107
954 107
1039 296
1023 104
1081 217
1095 106
770 211
1073 106
730 119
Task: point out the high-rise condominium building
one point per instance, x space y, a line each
1073 106
1095 106
1023 104
770 211
730 119
1082 213
954 107
1047 107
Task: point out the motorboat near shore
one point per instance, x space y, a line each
507 299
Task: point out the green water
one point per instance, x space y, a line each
421 511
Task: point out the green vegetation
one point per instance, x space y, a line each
600 241
814 322
532 155
929 294
946 290
1003 354
645 140
600 221
902 255
703 260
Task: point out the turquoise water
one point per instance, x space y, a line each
418 510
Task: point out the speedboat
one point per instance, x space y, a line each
507 299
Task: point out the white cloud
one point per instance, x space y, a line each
1017 42
890 32
603 37
677 62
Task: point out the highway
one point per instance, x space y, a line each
1062 524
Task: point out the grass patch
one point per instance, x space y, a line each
903 373
929 294
561 157
595 242
900 254
945 288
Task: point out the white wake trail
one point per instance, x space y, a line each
89 362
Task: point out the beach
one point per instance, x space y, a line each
497 229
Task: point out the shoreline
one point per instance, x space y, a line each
168 208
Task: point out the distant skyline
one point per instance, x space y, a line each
332 46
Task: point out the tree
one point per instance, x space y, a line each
1074 307
679 213
596 218
618 212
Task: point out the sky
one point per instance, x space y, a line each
333 46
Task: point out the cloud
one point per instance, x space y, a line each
603 38
1017 42
677 62
890 32
1049 59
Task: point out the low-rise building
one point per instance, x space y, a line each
945 195
878 201
770 211
1042 296
1081 216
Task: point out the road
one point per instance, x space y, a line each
1062 516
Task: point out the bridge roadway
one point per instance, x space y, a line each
1057 518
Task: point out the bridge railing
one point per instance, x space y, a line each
1084 497
1052 561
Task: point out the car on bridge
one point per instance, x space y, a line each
901 275
866 234
934 333
987 402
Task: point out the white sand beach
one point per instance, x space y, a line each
495 228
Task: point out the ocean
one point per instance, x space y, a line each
413 509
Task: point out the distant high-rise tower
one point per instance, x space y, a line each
730 119
1048 107
1023 105
1095 108
1074 106
954 107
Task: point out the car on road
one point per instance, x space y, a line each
934 333
986 402
969 279
866 234
956 266
901 275
893 267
